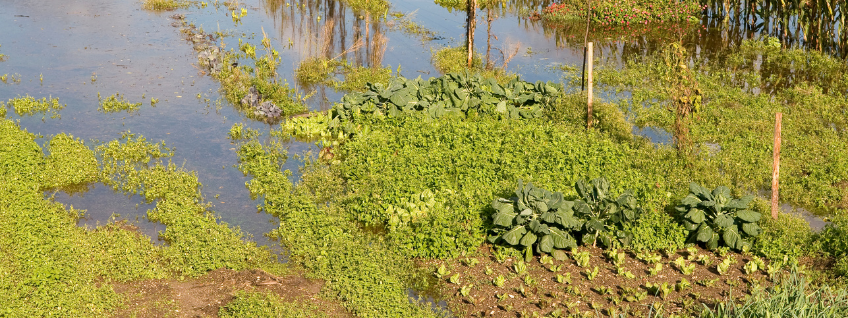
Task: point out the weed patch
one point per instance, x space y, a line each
165 5
116 103
28 106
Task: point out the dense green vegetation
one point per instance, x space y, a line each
53 267
623 12
258 304
317 71
116 103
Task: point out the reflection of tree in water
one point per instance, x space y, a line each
327 29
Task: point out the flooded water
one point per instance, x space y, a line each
75 50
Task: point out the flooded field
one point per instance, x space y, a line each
175 64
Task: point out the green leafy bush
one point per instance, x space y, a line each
716 217
786 236
605 217
834 241
535 217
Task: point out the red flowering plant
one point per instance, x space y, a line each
626 12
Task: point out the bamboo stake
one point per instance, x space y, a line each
775 176
589 62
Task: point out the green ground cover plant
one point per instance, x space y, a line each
623 12
238 78
737 114
165 5
318 71
362 270
116 103
454 60
28 106
259 304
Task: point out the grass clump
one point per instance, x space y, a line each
319 71
792 298
259 304
116 103
455 60
834 242
69 162
236 82
28 106
165 5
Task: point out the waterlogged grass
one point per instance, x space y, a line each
738 114
318 71
258 304
362 270
51 267
197 243
165 5
455 60
28 106
624 12
116 103
376 8
237 80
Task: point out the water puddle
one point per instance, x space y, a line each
102 204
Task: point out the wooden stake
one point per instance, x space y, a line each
589 61
775 176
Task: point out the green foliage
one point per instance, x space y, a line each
450 60
165 5
116 103
610 12
834 242
28 106
259 304
238 132
197 243
605 217
654 230
536 218
661 290
716 217
786 236
369 275
452 93
742 89
126 254
236 82
791 298
69 162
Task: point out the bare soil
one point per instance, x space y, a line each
600 296
204 296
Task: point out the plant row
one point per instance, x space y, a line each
626 12
543 220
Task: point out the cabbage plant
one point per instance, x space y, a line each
535 217
716 218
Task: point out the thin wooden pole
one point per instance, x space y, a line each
775 176
589 62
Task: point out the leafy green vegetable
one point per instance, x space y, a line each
452 93
605 217
716 217
535 217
